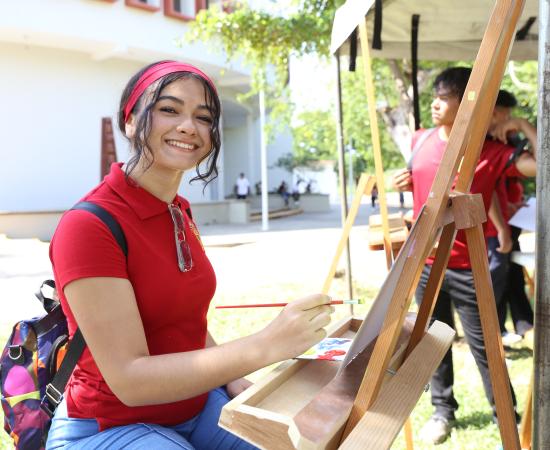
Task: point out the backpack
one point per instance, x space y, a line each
38 360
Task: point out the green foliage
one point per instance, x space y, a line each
314 139
314 135
357 126
262 39
265 40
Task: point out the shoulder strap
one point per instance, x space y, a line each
519 148
108 220
418 145
55 389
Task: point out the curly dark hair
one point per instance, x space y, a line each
139 142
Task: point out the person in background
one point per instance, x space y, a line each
373 195
242 187
457 291
282 190
152 375
508 279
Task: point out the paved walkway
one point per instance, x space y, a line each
296 250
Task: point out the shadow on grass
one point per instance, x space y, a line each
476 420
518 353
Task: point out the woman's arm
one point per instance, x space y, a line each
503 230
114 332
234 387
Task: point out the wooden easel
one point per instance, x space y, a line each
307 404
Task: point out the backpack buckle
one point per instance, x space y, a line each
51 400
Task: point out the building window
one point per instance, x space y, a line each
226 5
183 9
149 5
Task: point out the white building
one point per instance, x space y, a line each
64 64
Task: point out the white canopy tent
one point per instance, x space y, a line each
449 30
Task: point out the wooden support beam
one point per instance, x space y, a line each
491 336
432 286
526 428
364 187
468 210
379 426
375 136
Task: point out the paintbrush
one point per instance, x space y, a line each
268 305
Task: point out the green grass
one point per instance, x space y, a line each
474 428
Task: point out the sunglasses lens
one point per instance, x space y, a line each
186 256
185 261
177 218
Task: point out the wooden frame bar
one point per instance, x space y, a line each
378 165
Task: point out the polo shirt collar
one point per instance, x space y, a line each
144 203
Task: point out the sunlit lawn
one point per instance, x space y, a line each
474 428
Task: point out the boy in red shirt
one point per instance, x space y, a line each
507 278
457 289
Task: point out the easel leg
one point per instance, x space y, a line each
491 336
432 288
363 188
408 431
526 427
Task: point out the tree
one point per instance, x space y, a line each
265 40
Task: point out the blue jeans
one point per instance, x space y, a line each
200 432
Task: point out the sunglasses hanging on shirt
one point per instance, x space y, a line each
185 260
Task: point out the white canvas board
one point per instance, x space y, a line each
526 217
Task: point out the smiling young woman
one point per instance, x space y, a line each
151 374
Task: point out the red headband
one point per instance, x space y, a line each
153 74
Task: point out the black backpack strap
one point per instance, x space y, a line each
423 137
55 389
108 220
519 148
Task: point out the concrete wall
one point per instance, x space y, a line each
41 225
53 101
307 202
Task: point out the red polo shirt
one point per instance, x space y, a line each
172 304
507 190
492 161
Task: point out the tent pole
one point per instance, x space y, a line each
415 20
541 390
263 159
341 170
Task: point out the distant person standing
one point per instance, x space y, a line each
282 190
242 187
373 195
401 199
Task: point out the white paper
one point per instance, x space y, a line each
525 217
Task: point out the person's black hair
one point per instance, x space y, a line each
506 99
139 142
453 79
